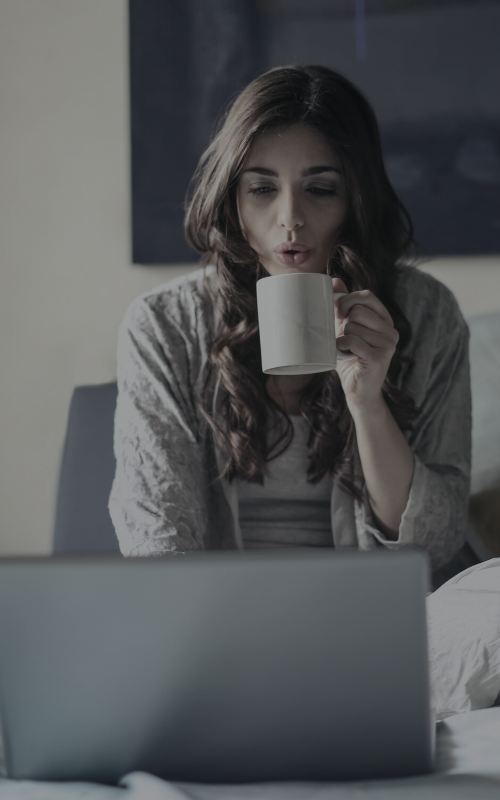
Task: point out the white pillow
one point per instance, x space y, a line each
463 620
484 350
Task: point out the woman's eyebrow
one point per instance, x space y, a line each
305 172
316 171
262 171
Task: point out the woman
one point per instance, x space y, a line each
211 452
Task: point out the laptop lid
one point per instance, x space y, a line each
220 667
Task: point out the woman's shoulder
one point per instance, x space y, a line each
426 301
185 302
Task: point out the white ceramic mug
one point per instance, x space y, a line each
297 324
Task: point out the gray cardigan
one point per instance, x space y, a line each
165 499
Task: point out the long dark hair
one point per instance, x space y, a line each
376 234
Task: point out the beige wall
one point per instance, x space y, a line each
474 280
65 271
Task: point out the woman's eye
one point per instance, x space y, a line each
261 190
319 191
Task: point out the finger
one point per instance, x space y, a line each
361 315
360 348
356 346
383 340
365 320
364 298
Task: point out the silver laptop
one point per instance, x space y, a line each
220 667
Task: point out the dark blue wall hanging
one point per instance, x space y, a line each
187 59
430 68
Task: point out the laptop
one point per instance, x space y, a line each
216 667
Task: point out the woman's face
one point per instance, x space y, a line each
291 200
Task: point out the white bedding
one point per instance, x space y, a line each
467 766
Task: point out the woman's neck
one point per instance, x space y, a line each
287 390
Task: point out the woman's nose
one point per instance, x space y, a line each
290 215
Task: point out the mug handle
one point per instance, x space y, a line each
341 356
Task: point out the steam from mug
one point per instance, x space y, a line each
297 324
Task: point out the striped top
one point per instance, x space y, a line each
287 511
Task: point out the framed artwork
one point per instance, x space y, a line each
430 69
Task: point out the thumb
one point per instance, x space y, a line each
338 285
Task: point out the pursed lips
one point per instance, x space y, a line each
292 253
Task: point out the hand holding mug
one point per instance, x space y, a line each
365 329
